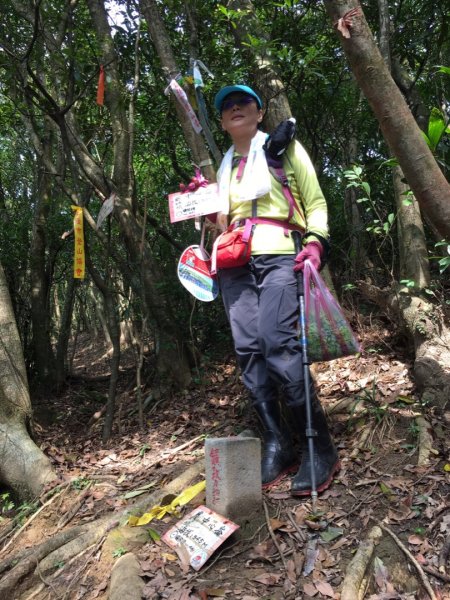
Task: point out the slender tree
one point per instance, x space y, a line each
398 125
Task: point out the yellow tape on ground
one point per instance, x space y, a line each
158 512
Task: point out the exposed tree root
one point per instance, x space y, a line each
125 579
62 554
356 569
425 442
28 562
443 555
345 405
67 544
31 519
419 569
72 511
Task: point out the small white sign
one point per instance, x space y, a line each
198 535
189 205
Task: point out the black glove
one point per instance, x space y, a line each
280 138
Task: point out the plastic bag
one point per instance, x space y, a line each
328 333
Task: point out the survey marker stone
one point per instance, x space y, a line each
233 477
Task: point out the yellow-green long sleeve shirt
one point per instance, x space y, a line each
310 212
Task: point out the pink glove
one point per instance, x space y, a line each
313 252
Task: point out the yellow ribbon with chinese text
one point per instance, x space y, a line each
78 258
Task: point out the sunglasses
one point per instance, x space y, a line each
240 101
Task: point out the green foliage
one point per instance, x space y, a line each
437 126
443 262
80 483
378 226
118 552
6 503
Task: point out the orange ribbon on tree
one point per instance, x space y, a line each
101 86
78 258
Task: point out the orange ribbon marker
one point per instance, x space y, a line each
78 258
101 86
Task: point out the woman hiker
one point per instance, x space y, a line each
261 297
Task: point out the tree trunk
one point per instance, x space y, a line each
271 87
112 323
163 47
43 358
414 263
64 333
360 262
411 236
399 128
173 359
423 322
23 466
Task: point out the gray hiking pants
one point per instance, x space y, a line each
262 305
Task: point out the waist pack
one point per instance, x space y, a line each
232 249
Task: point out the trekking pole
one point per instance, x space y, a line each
309 431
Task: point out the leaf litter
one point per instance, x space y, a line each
379 481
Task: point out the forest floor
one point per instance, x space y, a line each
372 408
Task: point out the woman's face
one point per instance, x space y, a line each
240 115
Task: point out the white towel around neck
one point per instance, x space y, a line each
255 181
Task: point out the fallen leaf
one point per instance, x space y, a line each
381 574
415 540
325 588
310 589
291 571
279 495
153 534
268 578
168 556
342 542
314 525
276 524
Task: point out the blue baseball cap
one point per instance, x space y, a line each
230 89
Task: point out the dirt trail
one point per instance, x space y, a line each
372 408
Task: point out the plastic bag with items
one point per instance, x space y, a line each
328 333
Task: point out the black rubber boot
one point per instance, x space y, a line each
278 456
326 459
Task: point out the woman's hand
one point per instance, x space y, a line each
313 252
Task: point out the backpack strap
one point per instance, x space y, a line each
280 175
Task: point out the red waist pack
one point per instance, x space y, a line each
231 250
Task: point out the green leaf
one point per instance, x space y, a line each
139 491
385 489
436 127
366 187
391 218
427 139
391 162
405 399
331 533
154 534
443 69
